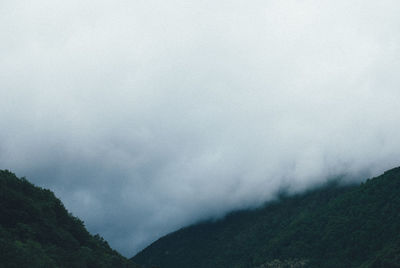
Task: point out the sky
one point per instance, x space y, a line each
146 116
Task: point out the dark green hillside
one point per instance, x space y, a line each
37 231
353 226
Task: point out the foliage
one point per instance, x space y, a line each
333 226
37 231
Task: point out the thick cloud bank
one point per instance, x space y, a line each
144 116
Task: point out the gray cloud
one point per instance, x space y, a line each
144 116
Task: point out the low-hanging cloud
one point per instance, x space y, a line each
144 116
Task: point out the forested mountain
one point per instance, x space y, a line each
333 226
37 231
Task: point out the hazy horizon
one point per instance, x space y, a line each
145 116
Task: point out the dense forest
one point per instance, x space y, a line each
333 226
37 231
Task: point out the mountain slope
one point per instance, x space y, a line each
353 226
37 231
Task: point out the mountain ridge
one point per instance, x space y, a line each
37 231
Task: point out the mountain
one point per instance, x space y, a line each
332 226
37 231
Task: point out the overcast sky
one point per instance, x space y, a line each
147 115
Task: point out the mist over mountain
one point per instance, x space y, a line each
330 226
146 116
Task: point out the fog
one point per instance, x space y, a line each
145 116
